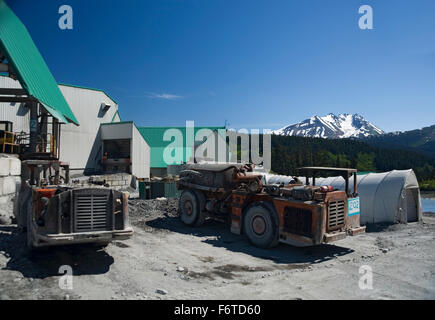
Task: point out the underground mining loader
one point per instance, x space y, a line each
55 212
298 214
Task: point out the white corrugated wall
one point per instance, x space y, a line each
140 154
14 112
81 145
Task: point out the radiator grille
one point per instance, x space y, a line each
91 212
298 221
336 214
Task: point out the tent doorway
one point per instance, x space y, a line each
412 205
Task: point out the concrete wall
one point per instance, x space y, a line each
10 180
81 145
118 181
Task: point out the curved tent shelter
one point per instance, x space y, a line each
392 196
25 63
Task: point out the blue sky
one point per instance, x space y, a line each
255 64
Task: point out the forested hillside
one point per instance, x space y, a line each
289 153
421 140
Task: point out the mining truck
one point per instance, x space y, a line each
54 211
296 213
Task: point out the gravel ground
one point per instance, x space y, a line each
167 260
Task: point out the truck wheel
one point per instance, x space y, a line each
202 213
189 207
260 224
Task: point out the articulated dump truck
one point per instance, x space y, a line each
55 212
298 214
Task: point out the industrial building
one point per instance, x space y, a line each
41 119
101 129
155 137
77 125
92 108
124 149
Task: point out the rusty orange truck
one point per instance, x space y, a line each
55 212
298 214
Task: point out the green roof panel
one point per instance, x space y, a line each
30 68
154 137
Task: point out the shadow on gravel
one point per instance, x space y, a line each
43 263
224 238
385 227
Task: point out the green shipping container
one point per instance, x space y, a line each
142 194
144 190
171 190
157 189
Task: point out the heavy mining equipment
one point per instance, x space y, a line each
296 213
54 211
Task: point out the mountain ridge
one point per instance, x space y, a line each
332 126
421 140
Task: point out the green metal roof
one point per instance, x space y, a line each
154 137
29 66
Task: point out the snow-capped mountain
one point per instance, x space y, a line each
332 126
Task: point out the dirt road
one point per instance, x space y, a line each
167 260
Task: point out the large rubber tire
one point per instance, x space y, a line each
202 212
189 207
260 224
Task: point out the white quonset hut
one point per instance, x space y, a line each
392 196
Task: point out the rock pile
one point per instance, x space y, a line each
153 208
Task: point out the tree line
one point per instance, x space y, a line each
289 153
